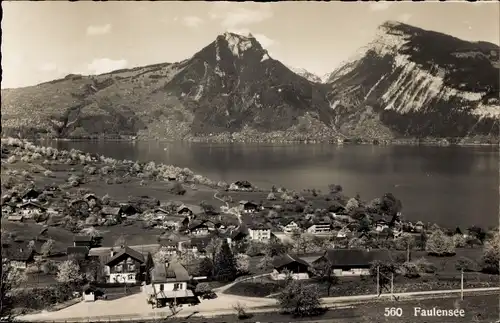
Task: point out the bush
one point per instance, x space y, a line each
425 266
466 264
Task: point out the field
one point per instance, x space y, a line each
446 277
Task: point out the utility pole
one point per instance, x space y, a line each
462 285
392 285
378 280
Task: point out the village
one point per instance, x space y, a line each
191 240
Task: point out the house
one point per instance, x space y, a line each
419 226
320 228
349 262
15 218
297 267
170 247
30 195
291 227
169 284
125 266
197 245
128 210
8 209
343 233
241 186
380 225
88 293
30 209
109 211
77 252
82 241
92 199
259 232
79 204
198 228
19 258
248 207
184 210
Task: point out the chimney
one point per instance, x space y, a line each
112 252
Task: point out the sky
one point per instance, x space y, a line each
43 41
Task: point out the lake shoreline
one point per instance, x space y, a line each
395 142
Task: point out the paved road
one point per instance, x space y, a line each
223 305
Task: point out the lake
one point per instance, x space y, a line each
452 186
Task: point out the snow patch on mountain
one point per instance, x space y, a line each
306 74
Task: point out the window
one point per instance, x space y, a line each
162 287
119 268
177 286
131 267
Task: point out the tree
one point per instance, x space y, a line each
206 267
12 278
207 208
47 247
69 272
439 244
407 242
458 231
459 240
334 189
477 232
120 242
324 272
161 256
271 196
384 272
491 255
224 263
299 299
465 264
242 263
241 311
265 263
391 206
351 205
212 246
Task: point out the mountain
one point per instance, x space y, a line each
407 83
411 82
231 87
306 74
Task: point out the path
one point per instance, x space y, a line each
222 289
230 211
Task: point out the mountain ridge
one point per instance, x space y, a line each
232 89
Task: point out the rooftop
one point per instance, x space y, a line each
169 272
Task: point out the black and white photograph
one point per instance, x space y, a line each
289 161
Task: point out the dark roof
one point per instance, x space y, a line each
354 257
170 272
286 259
250 203
257 226
127 251
38 205
18 254
196 224
200 242
82 239
32 192
243 183
90 195
79 250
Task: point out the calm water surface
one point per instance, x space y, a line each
448 185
